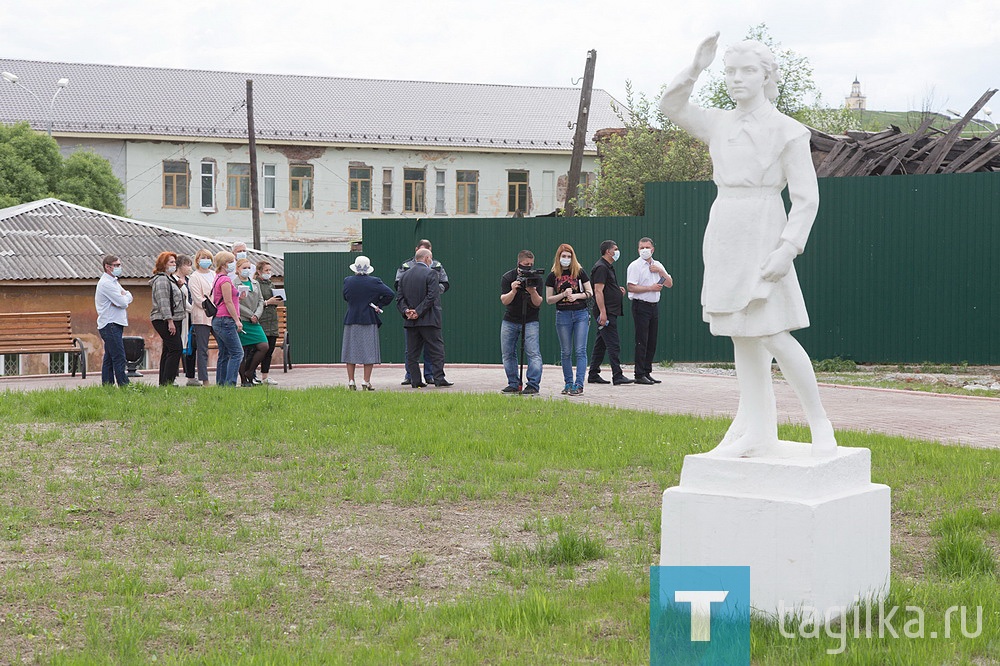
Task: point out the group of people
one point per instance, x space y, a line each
241 314
419 283
576 296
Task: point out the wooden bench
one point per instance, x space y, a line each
42 333
281 343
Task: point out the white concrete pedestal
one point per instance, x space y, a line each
814 531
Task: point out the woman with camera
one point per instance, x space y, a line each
568 287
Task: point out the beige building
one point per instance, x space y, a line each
855 101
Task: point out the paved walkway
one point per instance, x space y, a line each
967 420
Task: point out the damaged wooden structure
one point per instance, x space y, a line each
893 152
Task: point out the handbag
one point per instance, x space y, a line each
207 304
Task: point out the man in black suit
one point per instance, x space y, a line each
419 301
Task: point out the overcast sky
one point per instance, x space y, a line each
907 54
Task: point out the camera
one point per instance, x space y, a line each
530 277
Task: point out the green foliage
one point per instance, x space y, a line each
31 168
88 181
835 365
960 551
649 149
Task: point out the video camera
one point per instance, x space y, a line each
530 277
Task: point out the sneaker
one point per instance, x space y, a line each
529 390
567 389
193 382
509 390
579 389
575 390
270 382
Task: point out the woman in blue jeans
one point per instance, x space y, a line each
226 324
568 287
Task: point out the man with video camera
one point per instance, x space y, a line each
519 293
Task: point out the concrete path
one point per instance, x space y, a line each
967 420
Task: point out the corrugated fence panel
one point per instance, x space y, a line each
897 269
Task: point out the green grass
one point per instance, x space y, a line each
328 526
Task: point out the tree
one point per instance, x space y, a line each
648 149
32 168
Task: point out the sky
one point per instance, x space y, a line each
908 55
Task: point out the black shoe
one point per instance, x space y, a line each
421 385
653 379
529 390
510 390
444 383
618 381
643 379
597 379
405 382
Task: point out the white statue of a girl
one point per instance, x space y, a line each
751 292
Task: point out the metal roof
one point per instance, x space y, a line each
54 240
124 100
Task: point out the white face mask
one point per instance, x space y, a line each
265 276
241 255
565 262
117 271
617 255
231 267
645 253
246 272
171 269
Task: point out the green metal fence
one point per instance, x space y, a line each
902 268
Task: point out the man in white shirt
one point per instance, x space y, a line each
111 301
646 277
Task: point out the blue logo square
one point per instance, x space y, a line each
699 616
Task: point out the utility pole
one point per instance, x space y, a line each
254 204
580 137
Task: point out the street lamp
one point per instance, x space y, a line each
60 84
987 111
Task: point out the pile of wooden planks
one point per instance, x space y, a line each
892 152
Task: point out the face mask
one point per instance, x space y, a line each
565 262
246 272
231 267
171 269
616 255
241 255
265 276
645 253
117 271
204 263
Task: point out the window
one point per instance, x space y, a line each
238 186
59 363
300 195
413 191
467 192
208 186
270 187
581 193
10 365
386 190
439 192
517 192
360 181
175 184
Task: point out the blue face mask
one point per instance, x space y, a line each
117 271
241 255
616 255
231 267
246 272
204 263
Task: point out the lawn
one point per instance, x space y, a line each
327 526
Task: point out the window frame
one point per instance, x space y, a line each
517 192
303 198
213 204
387 179
462 194
235 183
362 203
414 191
5 359
173 177
269 182
440 177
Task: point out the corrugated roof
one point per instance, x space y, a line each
111 99
54 240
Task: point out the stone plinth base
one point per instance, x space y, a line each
814 531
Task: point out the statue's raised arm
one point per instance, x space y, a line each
676 100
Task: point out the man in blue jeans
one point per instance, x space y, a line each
111 300
519 293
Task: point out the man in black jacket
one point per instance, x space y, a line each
607 308
443 285
419 301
